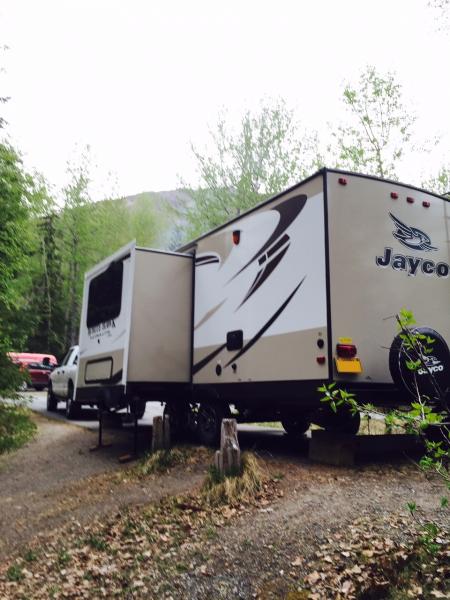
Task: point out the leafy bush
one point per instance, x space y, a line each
16 427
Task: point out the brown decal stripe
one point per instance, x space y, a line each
196 368
261 332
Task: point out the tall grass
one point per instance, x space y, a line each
235 488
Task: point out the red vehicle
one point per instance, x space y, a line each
39 366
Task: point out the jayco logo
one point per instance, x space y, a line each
415 239
433 365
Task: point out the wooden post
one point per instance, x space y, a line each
161 433
228 459
157 434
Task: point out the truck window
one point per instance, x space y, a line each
105 295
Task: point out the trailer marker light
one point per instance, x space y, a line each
321 360
346 350
320 343
342 181
394 195
236 236
426 204
409 200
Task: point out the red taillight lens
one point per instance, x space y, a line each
346 350
321 360
426 204
394 195
236 236
410 200
342 181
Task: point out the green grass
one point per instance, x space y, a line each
234 488
16 427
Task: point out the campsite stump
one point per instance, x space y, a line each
227 460
161 433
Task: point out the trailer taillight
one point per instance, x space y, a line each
321 360
236 236
426 204
409 199
346 350
342 181
394 195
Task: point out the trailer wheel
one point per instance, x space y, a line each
209 421
438 362
178 413
295 426
138 408
342 421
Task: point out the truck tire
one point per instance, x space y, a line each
209 421
52 402
72 408
295 426
438 362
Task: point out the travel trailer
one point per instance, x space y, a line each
253 316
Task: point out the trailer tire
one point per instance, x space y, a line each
178 413
138 408
295 426
342 421
406 379
209 421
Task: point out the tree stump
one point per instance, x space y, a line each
227 460
161 434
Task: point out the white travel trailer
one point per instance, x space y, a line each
302 289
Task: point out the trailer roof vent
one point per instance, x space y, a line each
342 181
394 195
409 199
426 204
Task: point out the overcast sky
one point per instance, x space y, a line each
139 80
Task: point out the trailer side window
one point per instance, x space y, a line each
105 295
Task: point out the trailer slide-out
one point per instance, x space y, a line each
302 289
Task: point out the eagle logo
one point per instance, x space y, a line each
411 237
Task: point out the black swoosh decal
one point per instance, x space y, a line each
261 332
263 274
207 359
289 211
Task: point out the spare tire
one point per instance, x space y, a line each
438 362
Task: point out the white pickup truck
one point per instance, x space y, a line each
62 384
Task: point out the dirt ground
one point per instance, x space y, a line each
261 552
56 478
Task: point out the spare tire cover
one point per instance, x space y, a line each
438 362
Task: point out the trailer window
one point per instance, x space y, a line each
105 295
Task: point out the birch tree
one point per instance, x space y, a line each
379 126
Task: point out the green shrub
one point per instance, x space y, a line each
16 426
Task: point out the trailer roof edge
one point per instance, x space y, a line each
320 172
